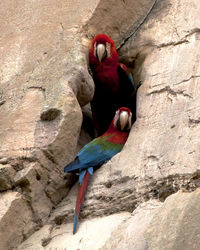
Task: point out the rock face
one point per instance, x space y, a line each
44 84
114 232
12 206
176 224
131 233
44 81
60 237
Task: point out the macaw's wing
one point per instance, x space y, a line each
126 77
94 154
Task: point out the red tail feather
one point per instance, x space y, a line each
81 192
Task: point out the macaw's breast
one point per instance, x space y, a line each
106 79
118 138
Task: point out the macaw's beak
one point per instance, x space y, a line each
101 52
123 119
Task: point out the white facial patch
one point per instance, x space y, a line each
130 120
108 49
116 118
95 49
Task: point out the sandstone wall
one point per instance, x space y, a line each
44 84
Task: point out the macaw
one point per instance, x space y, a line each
97 152
114 85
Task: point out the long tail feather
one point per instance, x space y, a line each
80 198
75 222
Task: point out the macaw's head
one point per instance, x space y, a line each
102 50
122 119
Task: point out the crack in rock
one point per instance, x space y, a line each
169 91
132 194
37 87
183 40
138 27
193 31
153 157
193 122
2 102
172 43
186 80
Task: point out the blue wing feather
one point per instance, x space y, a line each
123 71
131 79
81 176
70 167
94 154
90 170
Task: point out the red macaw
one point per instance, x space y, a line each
98 151
114 86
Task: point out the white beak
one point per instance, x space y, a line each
101 51
123 119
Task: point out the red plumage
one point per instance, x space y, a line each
79 201
113 87
81 192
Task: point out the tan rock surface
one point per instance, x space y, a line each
117 18
119 231
162 152
161 155
44 81
14 228
176 224
40 84
88 237
37 240
43 70
131 233
6 177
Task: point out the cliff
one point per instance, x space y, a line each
146 197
